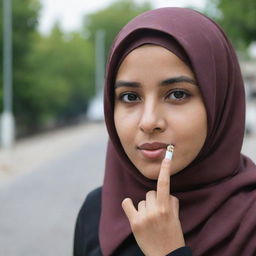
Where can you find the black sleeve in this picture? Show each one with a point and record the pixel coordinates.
(87, 224)
(183, 251)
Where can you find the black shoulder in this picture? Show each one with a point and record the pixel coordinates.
(92, 203)
(87, 224)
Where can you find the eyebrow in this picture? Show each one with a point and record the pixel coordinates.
(173, 80)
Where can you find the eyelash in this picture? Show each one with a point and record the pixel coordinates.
(185, 93)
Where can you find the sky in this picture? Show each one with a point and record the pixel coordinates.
(70, 13)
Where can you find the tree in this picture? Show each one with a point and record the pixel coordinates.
(62, 78)
(238, 18)
(24, 19)
(112, 18)
(52, 75)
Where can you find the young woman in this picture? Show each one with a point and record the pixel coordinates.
(172, 79)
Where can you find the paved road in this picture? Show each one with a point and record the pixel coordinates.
(44, 183)
(38, 209)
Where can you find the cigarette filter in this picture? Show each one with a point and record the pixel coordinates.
(169, 152)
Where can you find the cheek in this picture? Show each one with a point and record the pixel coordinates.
(191, 127)
(126, 123)
(199, 123)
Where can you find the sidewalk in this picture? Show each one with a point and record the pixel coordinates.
(30, 153)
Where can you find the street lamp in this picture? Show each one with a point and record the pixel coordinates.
(100, 60)
(7, 119)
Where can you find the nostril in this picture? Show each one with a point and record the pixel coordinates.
(151, 129)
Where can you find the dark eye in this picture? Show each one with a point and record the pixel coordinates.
(178, 95)
(129, 97)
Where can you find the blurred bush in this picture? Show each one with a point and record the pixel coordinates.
(238, 18)
(61, 80)
(112, 18)
(24, 21)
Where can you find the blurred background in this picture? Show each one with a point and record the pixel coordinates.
(53, 138)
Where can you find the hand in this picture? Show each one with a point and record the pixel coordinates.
(156, 225)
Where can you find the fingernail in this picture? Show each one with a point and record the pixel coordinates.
(169, 152)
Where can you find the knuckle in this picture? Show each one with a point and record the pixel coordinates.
(165, 165)
(141, 203)
(152, 216)
(163, 212)
(151, 192)
(163, 183)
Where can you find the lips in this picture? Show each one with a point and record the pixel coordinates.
(153, 146)
(153, 151)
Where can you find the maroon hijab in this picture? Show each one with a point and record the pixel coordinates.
(217, 191)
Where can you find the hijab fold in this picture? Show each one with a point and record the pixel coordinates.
(217, 191)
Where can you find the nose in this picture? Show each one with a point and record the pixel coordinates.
(152, 119)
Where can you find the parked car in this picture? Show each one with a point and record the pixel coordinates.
(250, 124)
(95, 109)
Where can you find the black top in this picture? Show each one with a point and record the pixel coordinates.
(86, 241)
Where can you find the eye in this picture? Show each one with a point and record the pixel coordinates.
(129, 97)
(178, 95)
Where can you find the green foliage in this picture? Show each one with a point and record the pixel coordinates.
(238, 18)
(52, 75)
(62, 76)
(113, 18)
(24, 20)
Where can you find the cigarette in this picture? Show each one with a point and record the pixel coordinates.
(169, 152)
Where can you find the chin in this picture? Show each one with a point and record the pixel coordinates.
(150, 170)
(150, 174)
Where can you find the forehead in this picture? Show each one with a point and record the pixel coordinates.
(152, 60)
(150, 51)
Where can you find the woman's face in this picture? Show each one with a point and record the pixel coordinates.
(157, 103)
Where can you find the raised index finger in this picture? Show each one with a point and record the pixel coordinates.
(163, 183)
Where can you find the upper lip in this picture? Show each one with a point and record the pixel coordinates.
(152, 145)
